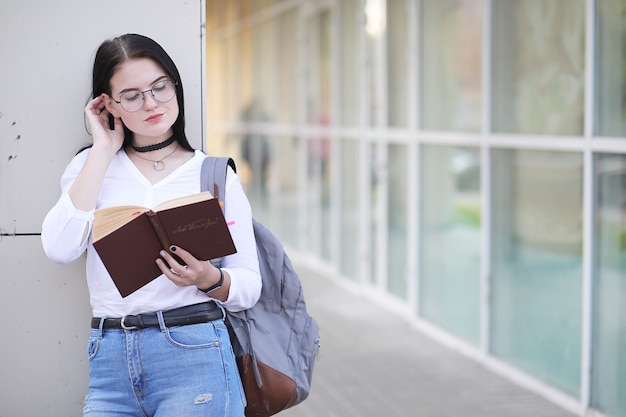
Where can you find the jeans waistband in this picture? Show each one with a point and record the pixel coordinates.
(191, 314)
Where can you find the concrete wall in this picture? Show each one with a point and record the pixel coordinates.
(46, 50)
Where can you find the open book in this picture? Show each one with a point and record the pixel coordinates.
(129, 238)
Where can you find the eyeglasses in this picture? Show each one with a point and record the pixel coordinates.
(162, 91)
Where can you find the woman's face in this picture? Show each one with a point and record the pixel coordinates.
(154, 119)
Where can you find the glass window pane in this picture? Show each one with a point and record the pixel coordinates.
(611, 67)
(375, 21)
(264, 77)
(451, 59)
(277, 206)
(349, 87)
(250, 7)
(349, 208)
(318, 196)
(538, 66)
(239, 58)
(450, 241)
(228, 80)
(318, 145)
(397, 63)
(372, 154)
(217, 88)
(287, 68)
(609, 323)
(256, 150)
(220, 14)
(318, 69)
(397, 221)
(537, 263)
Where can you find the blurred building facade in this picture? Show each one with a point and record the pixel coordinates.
(462, 161)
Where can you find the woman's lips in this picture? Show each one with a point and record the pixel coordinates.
(154, 118)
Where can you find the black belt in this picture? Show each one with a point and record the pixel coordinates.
(193, 314)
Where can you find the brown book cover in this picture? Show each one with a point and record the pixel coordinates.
(129, 238)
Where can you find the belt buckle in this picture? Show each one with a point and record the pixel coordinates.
(124, 326)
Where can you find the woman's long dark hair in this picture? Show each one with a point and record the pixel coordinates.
(114, 52)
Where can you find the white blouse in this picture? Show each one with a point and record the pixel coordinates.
(63, 232)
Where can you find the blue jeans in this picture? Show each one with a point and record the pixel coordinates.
(164, 372)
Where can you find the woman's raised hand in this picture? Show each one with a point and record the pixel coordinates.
(201, 274)
(98, 119)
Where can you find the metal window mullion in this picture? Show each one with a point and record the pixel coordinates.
(588, 208)
(335, 152)
(313, 90)
(413, 247)
(382, 210)
(486, 189)
(364, 151)
(203, 78)
(382, 158)
(303, 218)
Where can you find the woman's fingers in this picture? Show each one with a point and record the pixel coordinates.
(189, 273)
(98, 118)
(95, 106)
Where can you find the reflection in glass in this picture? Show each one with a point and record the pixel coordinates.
(609, 362)
(318, 145)
(536, 282)
(451, 65)
(286, 68)
(318, 70)
(255, 150)
(374, 206)
(375, 26)
(257, 83)
(281, 204)
(349, 210)
(397, 221)
(611, 68)
(348, 85)
(538, 66)
(450, 241)
(318, 195)
(397, 63)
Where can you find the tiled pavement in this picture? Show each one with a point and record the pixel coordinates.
(375, 364)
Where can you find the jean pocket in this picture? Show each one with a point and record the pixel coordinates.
(193, 336)
(93, 345)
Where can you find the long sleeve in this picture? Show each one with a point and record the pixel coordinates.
(66, 235)
(65, 229)
(243, 267)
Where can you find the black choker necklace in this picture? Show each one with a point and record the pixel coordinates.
(154, 147)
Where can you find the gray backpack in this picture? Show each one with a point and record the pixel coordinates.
(276, 341)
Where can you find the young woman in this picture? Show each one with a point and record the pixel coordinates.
(163, 350)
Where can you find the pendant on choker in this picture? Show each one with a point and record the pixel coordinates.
(157, 165)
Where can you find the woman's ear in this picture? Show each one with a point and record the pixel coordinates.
(110, 105)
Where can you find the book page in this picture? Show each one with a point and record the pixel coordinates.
(112, 218)
(181, 201)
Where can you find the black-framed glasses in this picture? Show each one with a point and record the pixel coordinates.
(162, 91)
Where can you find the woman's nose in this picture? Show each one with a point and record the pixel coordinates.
(149, 101)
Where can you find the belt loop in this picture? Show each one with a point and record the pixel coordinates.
(101, 326)
(161, 321)
(222, 309)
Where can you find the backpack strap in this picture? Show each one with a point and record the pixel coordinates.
(213, 176)
(214, 171)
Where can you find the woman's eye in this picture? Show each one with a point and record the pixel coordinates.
(132, 96)
(159, 86)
